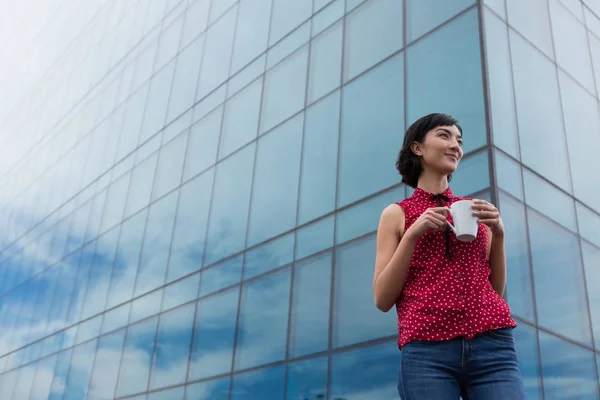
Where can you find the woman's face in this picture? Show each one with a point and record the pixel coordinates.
(441, 150)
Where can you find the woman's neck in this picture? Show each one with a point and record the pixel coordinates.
(432, 183)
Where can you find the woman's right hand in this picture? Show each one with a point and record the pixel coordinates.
(432, 220)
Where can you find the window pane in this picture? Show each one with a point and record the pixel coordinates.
(553, 247)
(325, 62)
(423, 16)
(315, 237)
(202, 144)
(217, 389)
(169, 394)
(170, 166)
(80, 371)
(126, 260)
(145, 306)
(173, 340)
(185, 80)
(181, 292)
(269, 256)
(222, 275)
(43, 378)
(519, 293)
(285, 90)
(115, 203)
(217, 53)
(88, 329)
(108, 357)
(319, 159)
(310, 306)
(229, 210)
(214, 330)
(137, 355)
(589, 224)
(262, 329)
(456, 47)
(502, 103)
(568, 370)
(536, 30)
(157, 239)
(307, 379)
(595, 50)
(288, 45)
(115, 318)
(246, 75)
(142, 178)
(591, 261)
(472, 174)
(327, 15)
(571, 45)
(526, 345)
(196, 17)
(217, 9)
(373, 32)
(538, 113)
(350, 380)
(264, 384)
(157, 103)
(61, 372)
(582, 122)
(240, 123)
(356, 318)
(508, 174)
(367, 159)
(548, 200)
(287, 14)
(275, 191)
(363, 218)
(252, 32)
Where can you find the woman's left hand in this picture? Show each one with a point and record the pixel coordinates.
(488, 214)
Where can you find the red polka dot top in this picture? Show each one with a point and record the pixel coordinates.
(447, 293)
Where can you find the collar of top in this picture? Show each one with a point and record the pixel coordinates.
(421, 194)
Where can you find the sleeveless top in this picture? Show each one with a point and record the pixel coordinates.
(447, 293)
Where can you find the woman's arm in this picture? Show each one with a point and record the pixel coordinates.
(395, 248)
(497, 261)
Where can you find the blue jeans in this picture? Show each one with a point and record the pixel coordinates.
(484, 368)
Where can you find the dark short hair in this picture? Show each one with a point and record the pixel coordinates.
(408, 163)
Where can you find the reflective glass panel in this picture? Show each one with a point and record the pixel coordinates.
(591, 262)
(240, 123)
(315, 237)
(319, 159)
(309, 329)
(221, 275)
(287, 14)
(455, 46)
(202, 144)
(269, 256)
(373, 32)
(229, 211)
(536, 30)
(80, 371)
(252, 32)
(356, 319)
(307, 379)
(526, 345)
(519, 292)
(264, 383)
(214, 331)
(137, 355)
(263, 321)
(423, 16)
(366, 159)
(502, 101)
(105, 371)
(350, 380)
(275, 185)
(538, 112)
(568, 370)
(170, 166)
(553, 247)
(217, 389)
(173, 340)
(185, 78)
(325, 62)
(284, 90)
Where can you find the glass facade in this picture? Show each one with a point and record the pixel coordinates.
(190, 189)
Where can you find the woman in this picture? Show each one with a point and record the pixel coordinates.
(454, 326)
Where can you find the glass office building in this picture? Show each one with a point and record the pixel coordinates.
(190, 189)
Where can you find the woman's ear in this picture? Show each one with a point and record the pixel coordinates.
(416, 148)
